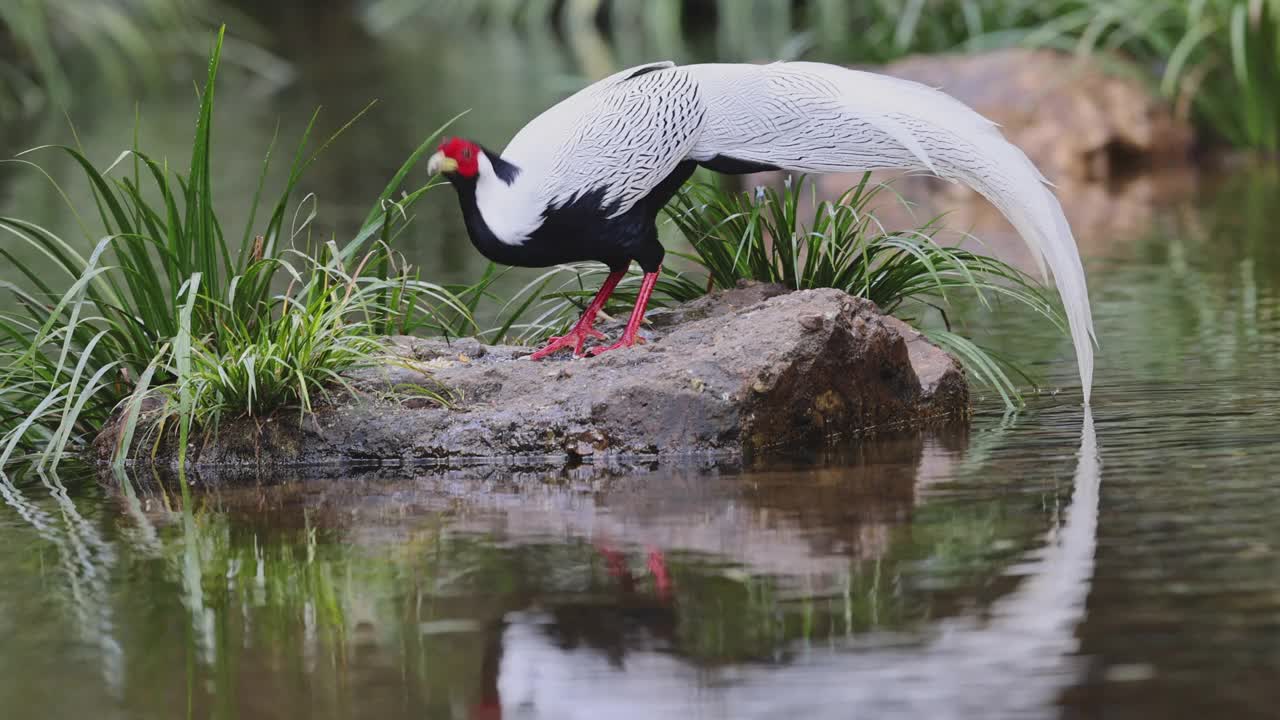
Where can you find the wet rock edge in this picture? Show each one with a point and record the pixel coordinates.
(745, 372)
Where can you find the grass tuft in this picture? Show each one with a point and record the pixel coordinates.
(166, 307)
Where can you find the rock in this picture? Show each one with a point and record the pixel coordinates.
(747, 370)
(1074, 116)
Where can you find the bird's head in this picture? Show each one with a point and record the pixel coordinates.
(456, 158)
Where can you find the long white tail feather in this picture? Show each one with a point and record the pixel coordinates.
(810, 117)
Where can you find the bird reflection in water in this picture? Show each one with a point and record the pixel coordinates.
(615, 659)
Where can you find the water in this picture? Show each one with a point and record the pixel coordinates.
(1123, 563)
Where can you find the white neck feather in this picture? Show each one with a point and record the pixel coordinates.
(513, 211)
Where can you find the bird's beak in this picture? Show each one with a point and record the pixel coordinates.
(439, 163)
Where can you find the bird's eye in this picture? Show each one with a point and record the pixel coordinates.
(466, 154)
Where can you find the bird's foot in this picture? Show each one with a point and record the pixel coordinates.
(630, 334)
(575, 338)
(626, 342)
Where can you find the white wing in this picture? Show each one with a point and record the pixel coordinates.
(810, 117)
(621, 136)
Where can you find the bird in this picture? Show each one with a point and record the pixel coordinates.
(586, 179)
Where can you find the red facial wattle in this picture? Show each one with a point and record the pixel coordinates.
(463, 152)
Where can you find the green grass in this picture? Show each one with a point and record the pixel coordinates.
(299, 343)
(1219, 57)
(170, 303)
(768, 236)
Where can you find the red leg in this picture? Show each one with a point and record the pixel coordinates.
(616, 562)
(661, 577)
(583, 329)
(637, 315)
(617, 566)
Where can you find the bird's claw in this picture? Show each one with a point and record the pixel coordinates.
(575, 338)
(625, 342)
